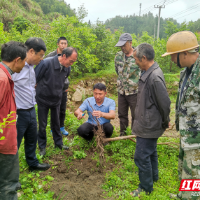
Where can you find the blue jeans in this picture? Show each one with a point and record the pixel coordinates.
(146, 159)
(9, 176)
(27, 128)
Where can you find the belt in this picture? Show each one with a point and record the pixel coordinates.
(25, 109)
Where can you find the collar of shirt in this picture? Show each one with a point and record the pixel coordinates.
(148, 72)
(26, 64)
(9, 70)
(57, 64)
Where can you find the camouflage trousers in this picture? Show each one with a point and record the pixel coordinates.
(189, 168)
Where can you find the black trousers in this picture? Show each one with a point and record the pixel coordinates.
(9, 176)
(55, 125)
(146, 159)
(86, 130)
(63, 106)
(27, 128)
(124, 102)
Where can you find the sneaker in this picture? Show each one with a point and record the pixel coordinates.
(63, 131)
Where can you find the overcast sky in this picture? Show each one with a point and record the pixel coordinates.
(181, 10)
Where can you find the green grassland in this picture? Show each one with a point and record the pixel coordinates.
(123, 178)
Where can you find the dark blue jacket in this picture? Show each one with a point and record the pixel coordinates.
(50, 81)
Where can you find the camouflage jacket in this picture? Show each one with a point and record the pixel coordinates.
(188, 108)
(128, 74)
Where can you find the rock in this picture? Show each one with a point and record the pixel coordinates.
(176, 83)
(113, 83)
(69, 96)
(103, 82)
(77, 96)
(89, 83)
(82, 83)
(88, 92)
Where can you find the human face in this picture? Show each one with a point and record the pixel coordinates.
(18, 64)
(137, 61)
(126, 48)
(99, 95)
(38, 57)
(67, 62)
(62, 45)
(174, 59)
(34, 58)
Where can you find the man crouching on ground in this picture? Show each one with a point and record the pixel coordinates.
(104, 111)
(151, 117)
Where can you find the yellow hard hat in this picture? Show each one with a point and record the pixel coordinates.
(181, 41)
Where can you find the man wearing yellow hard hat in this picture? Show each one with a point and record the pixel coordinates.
(183, 49)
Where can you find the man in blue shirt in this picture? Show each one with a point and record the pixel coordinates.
(24, 86)
(99, 108)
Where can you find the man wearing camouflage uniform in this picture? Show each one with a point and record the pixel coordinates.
(183, 48)
(127, 82)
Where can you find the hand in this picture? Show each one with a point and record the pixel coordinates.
(80, 115)
(169, 125)
(97, 114)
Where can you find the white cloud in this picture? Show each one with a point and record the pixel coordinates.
(105, 9)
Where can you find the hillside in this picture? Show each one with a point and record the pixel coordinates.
(30, 11)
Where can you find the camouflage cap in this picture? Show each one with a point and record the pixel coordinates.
(123, 39)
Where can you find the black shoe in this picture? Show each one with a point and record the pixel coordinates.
(40, 166)
(18, 186)
(62, 147)
(42, 152)
(122, 134)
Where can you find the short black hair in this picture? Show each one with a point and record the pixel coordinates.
(99, 86)
(61, 38)
(12, 50)
(68, 51)
(37, 44)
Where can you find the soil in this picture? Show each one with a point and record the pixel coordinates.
(81, 180)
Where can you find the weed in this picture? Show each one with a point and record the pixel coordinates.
(79, 154)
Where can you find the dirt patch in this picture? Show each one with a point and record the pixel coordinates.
(80, 180)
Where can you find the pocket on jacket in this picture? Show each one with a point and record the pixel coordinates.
(145, 119)
(196, 163)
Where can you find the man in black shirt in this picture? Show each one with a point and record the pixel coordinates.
(62, 44)
(50, 76)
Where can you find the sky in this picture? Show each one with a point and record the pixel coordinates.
(181, 10)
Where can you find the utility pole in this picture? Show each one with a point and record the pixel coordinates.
(140, 9)
(158, 30)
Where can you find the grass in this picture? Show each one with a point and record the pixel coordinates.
(123, 178)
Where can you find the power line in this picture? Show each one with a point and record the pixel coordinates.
(188, 14)
(186, 10)
(152, 8)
